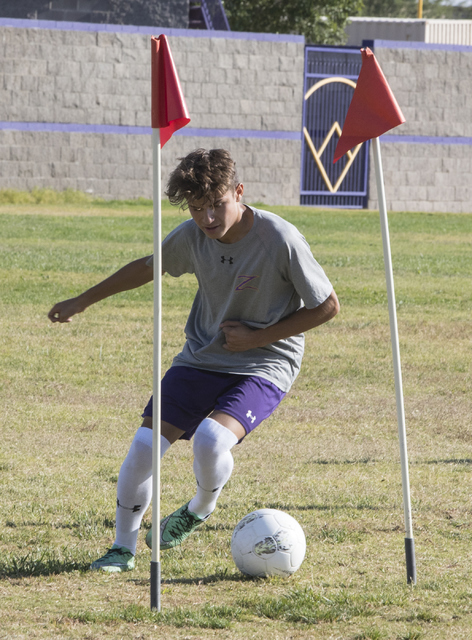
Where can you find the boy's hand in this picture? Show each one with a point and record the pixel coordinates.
(239, 337)
(63, 311)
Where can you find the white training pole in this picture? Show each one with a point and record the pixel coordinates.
(156, 406)
(409, 541)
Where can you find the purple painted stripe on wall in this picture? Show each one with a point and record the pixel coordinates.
(427, 139)
(239, 133)
(123, 130)
(152, 31)
(210, 133)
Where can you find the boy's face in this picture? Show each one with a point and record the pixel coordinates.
(223, 219)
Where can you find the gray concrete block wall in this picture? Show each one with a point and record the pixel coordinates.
(425, 177)
(121, 166)
(433, 86)
(104, 79)
(232, 83)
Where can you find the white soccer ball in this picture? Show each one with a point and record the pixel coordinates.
(268, 542)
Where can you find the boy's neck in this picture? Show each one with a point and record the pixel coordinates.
(241, 228)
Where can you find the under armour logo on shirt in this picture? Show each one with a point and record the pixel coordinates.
(249, 415)
(223, 260)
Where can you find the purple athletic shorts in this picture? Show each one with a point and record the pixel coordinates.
(189, 395)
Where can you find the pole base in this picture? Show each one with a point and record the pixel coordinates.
(410, 561)
(155, 586)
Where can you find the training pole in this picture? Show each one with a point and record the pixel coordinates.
(156, 406)
(409, 541)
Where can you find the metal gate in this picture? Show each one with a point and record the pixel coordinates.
(330, 78)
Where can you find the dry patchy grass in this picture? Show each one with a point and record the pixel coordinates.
(72, 396)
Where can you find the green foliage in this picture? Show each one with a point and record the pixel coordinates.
(138, 12)
(320, 21)
(390, 8)
(409, 9)
(23, 8)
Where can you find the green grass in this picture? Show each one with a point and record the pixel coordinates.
(72, 396)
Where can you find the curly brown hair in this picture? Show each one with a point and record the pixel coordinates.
(202, 175)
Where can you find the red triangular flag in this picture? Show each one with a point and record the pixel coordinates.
(168, 109)
(373, 109)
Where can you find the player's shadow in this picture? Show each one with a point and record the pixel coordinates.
(449, 461)
(200, 580)
(323, 461)
(42, 560)
(323, 507)
(218, 527)
(29, 566)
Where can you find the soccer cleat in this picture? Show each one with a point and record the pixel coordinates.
(176, 528)
(115, 559)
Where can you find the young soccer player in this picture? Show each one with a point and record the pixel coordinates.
(259, 289)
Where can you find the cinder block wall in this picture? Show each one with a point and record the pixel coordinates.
(75, 112)
(77, 107)
(427, 161)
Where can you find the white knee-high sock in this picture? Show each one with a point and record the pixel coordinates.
(134, 489)
(213, 464)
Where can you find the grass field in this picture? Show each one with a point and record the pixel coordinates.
(72, 396)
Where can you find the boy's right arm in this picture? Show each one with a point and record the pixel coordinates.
(133, 275)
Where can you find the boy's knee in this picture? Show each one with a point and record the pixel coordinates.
(211, 437)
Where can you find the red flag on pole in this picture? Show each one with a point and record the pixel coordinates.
(168, 114)
(168, 109)
(373, 109)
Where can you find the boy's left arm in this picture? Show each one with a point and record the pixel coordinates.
(240, 337)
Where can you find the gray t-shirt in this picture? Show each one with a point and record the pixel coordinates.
(259, 280)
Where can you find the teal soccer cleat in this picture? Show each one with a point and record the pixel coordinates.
(115, 560)
(176, 528)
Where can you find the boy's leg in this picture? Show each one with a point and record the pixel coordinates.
(213, 465)
(134, 489)
(213, 460)
(237, 413)
(238, 405)
(134, 492)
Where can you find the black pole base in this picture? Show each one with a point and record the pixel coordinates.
(155, 586)
(410, 561)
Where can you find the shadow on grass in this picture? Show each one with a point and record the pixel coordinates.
(39, 563)
(339, 462)
(200, 580)
(84, 522)
(451, 461)
(323, 507)
(218, 527)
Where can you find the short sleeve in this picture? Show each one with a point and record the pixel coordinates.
(177, 254)
(308, 277)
